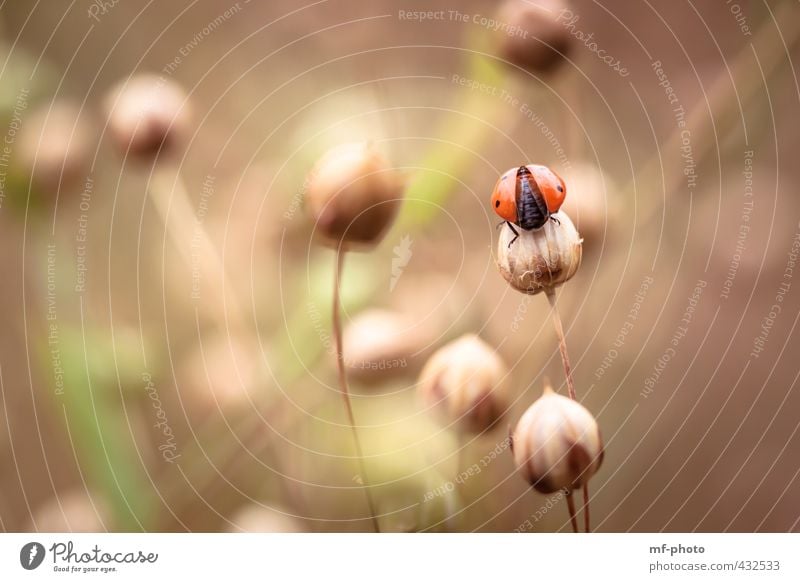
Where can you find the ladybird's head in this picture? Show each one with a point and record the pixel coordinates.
(504, 196)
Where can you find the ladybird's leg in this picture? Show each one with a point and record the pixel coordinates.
(516, 234)
(554, 219)
(499, 224)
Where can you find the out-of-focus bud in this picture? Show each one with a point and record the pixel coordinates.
(73, 511)
(557, 444)
(467, 382)
(379, 343)
(264, 519)
(541, 258)
(55, 145)
(147, 114)
(587, 201)
(222, 374)
(533, 35)
(353, 195)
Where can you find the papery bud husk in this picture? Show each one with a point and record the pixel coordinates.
(539, 259)
(353, 196)
(255, 518)
(380, 343)
(467, 382)
(557, 444)
(147, 114)
(533, 39)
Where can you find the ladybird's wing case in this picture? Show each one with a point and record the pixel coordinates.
(504, 196)
(550, 185)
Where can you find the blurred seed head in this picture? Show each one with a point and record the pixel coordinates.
(147, 114)
(55, 146)
(353, 195)
(557, 444)
(73, 511)
(379, 343)
(587, 201)
(538, 37)
(467, 382)
(256, 518)
(223, 373)
(541, 258)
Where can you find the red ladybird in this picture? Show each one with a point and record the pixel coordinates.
(528, 196)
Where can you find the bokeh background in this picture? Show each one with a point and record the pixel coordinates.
(140, 391)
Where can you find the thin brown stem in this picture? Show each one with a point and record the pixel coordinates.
(562, 342)
(586, 521)
(571, 506)
(343, 388)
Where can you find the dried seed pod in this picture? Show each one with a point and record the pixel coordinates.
(557, 444)
(532, 36)
(147, 114)
(379, 343)
(541, 258)
(55, 146)
(74, 511)
(467, 382)
(353, 195)
(587, 201)
(264, 519)
(222, 374)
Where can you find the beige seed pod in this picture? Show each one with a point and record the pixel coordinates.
(557, 444)
(588, 202)
(73, 511)
(353, 195)
(55, 146)
(224, 374)
(532, 37)
(379, 343)
(467, 383)
(147, 114)
(541, 258)
(255, 518)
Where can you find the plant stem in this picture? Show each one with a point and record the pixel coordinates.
(562, 343)
(337, 333)
(586, 525)
(571, 505)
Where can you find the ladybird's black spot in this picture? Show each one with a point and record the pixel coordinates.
(560, 189)
(496, 203)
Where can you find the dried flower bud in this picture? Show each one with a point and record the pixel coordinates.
(379, 343)
(557, 444)
(146, 114)
(533, 38)
(467, 382)
(587, 201)
(263, 519)
(73, 511)
(223, 374)
(541, 258)
(55, 146)
(352, 195)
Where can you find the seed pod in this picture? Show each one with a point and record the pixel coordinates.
(353, 195)
(55, 147)
(467, 382)
(533, 38)
(379, 343)
(587, 201)
(74, 511)
(541, 258)
(147, 114)
(264, 519)
(557, 444)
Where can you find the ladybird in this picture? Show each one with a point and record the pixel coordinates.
(527, 197)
